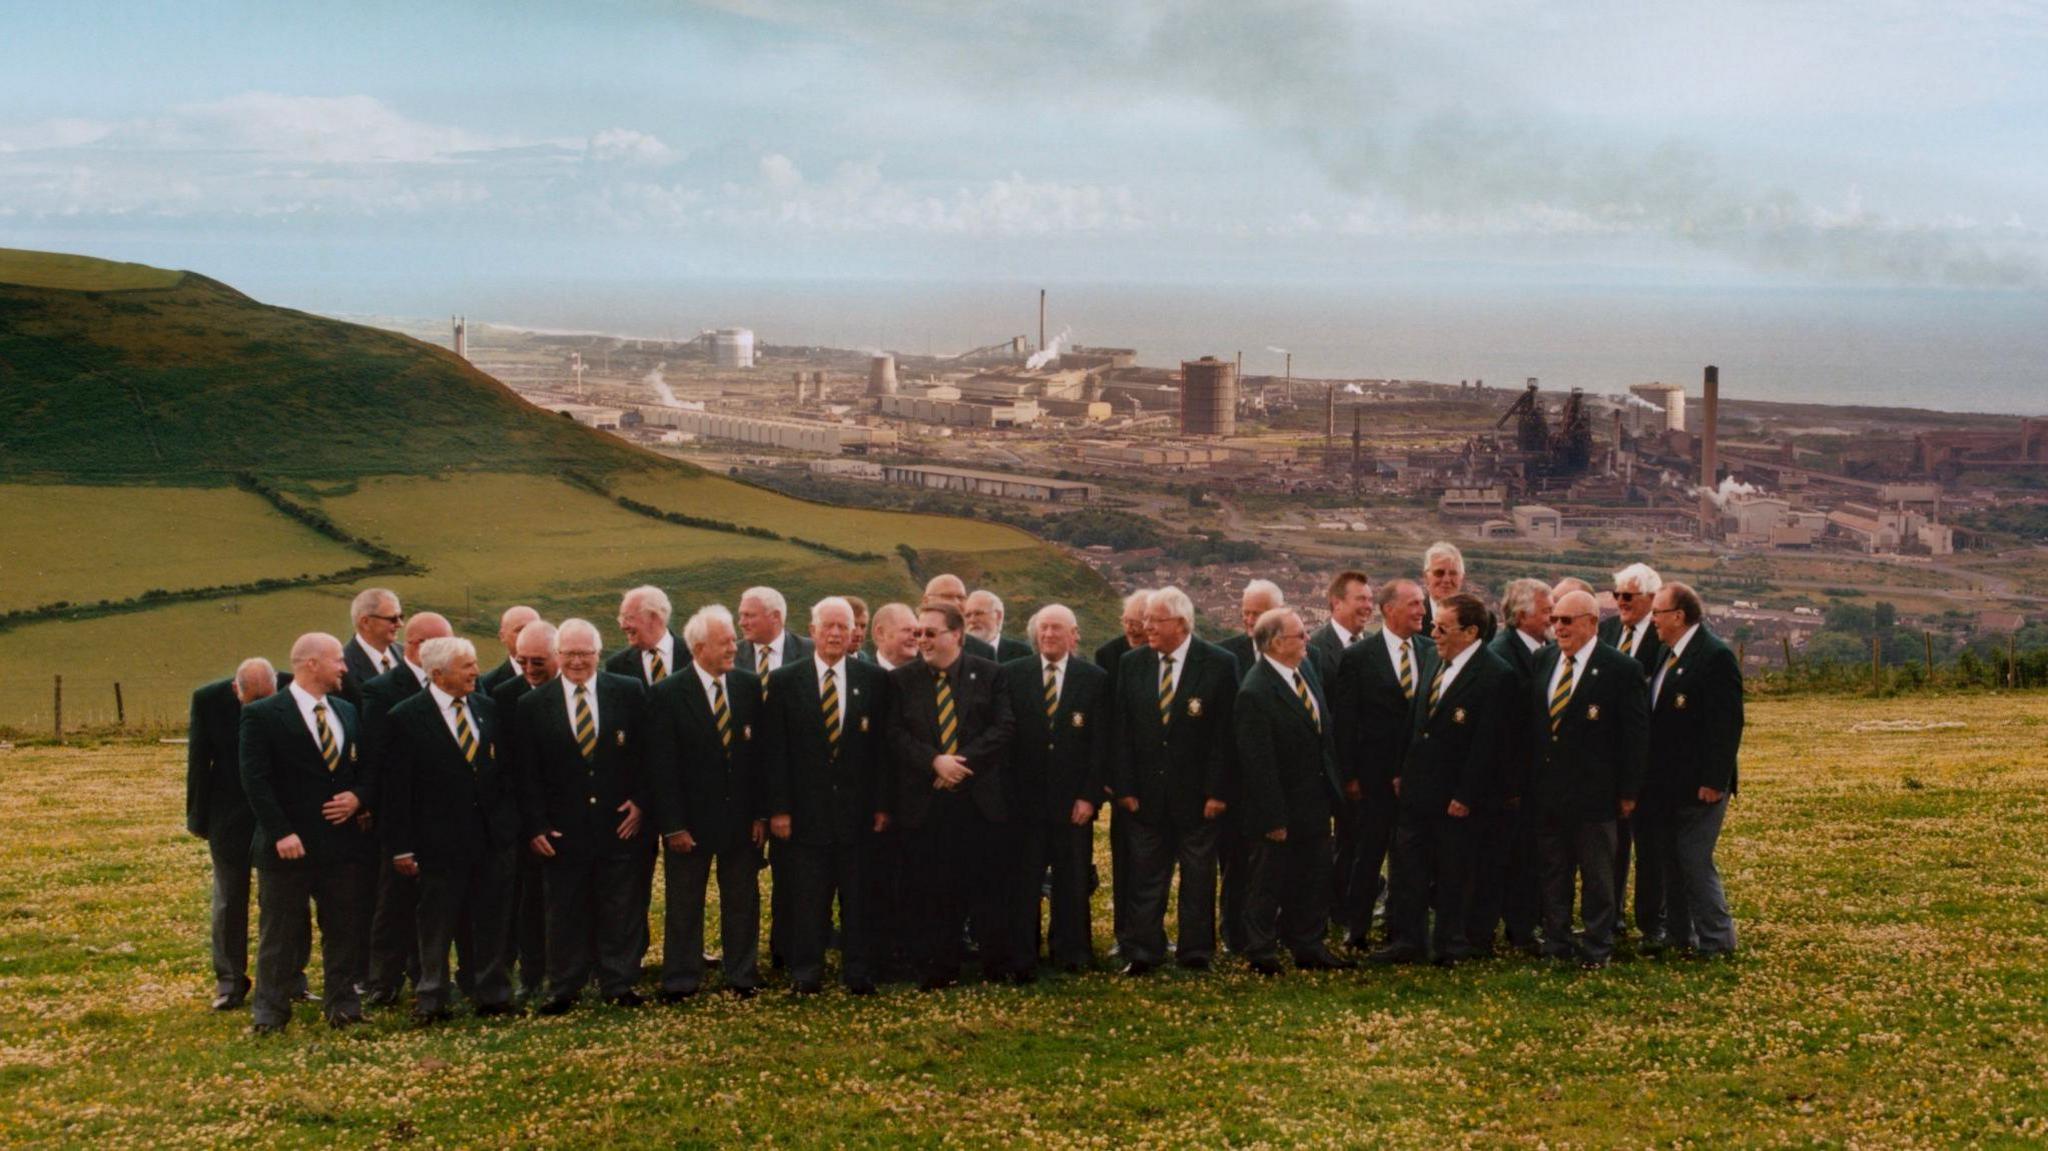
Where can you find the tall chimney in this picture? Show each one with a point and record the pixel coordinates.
(1330, 417)
(1710, 456)
(1041, 319)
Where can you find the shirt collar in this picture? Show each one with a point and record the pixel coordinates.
(377, 654)
(838, 670)
(1059, 666)
(1287, 674)
(569, 688)
(1462, 658)
(1180, 654)
(1532, 643)
(1393, 643)
(442, 699)
(1678, 649)
(704, 677)
(306, 698)
(418, 672)
(1344, 637)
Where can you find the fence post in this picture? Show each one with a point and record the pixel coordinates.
(120, 710)
(58, 708)
(1929, 637)
(2012, 660)
(1876, 661)
(1787, 641)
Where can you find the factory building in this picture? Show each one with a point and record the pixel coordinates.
(1491, 501)
(1208, 397)
(788, 434)
(990, 483)
(929, 408)
(731, 347)
(1158, 454)
(1536, 522)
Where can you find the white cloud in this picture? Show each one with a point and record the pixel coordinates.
(627, 146)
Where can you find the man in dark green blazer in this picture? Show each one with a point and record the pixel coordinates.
(450, 821)
(1451, 770)
(1288, 789)
(218, 812)
(302, 772)
(393, 954)
(1174, 767)
(533, 653)
(1061, 704)
(510, 625)
(710, 806)
(824, 765)
(1632, 631)
(1588, 728)
(1695, 740)
(652, 653)
(1109, 657)
(1260, 596)
(583, 810)
(1506, 886)
(1378, 679)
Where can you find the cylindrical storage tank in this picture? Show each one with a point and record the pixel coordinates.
(882, 375)
(732, 348)
(1208, 397)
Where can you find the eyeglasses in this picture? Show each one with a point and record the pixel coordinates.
(393, 619)
(927, 632)
(579, 653)
(1562, 620)
(1665, 610)
(536, 660)
(1442, 628)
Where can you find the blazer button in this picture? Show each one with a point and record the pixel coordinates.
(593, 801)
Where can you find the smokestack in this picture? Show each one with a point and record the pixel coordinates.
(1710, 460)
(461, 336)
(1329, 416)
(1041, 319)
(1290, 367)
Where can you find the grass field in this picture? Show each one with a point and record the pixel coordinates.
(114, 543)
(79, 273)
(486, 541)
(1887, 876)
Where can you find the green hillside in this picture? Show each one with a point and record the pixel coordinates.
(188, 477)
(190, 380)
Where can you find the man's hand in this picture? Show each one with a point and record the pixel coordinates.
(1628, 808)
(1709, 795)
(1128, 803)
(681, 841)
(540, 844)
(290, 847)
(778, 826)
(1354, 790)
(1214, 808)
(341, 808)
(629, 826)
(1277, 835)
(1082, 813)
(758, 832)
(951, 770)
(1457, 810)
(407, 866)
(881, 822)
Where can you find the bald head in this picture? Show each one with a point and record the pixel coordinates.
(317, 665)
(421, 628)
(947, 589)
(511, 623)
(255, 680)
(534, 652)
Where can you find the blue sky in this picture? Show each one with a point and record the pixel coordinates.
(1884, 142)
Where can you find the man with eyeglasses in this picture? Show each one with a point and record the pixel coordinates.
(949, 733)
(1443, 576)
(1695, 738)
(1452, 770)
(652, 653)
(583, 813)
(1588, 728)
(1630, 630)
(509, 625)
(534, 655)
(1287, 793)
(369, 653)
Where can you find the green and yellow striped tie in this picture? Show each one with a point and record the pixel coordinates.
(830, 705)
(1166, 689)
(721, 715)
(1657, 684)
(463, 735)
(1308, 701)
(330, 754)
(1407, 674)
(657, 671)
(1436, 686)
(586, 727)
(949, 723)
(1052, 692)
(1562, 696)
(1632, 636)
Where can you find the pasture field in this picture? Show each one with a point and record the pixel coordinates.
(855, 529)
(1884, 860)
(484, 540)
(81, 544)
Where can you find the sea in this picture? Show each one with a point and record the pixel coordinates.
(1944, 350)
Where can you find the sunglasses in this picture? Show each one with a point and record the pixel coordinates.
(390, 619)
(1626, 596)
(1562, 620)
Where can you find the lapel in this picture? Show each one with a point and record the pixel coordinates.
(1675, 680)
(1290, 702)
(1148, 688)
(1458, 689)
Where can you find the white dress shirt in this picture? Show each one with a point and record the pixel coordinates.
(1180, 662)
(1394, 643)
(448, 707)
(569, 703)
(1677, 650)
(1579, 661)
(378, 655)
(1630, 639)
(1451, 669)
(307, 701)
(667, 648)
(838, 671)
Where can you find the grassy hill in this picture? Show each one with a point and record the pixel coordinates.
(1883, 862)
(189, 476)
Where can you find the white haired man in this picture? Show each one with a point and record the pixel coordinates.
(765, 644)
(376, 616)
(984, 614)
(1443, 576)
(1632, 631)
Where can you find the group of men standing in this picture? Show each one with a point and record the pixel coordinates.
(939, 790)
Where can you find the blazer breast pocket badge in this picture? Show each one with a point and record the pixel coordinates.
(863, 723)
(1679, 703)
(351, 753)
(1592, 711)
(747, 731)
(1458, 715)
(1080, 720)
(1194, 707)
(619, 737)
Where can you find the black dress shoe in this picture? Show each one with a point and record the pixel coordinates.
(228, 1001)
(1075, 968)
(936, 982)
(744, 992)
(266, 1029)
(806, 988)
(1591, 964)
(340, 1021)
(429, 1018)
(1265, 966)
(1021, 978)
(678, 996)
(625, 999)
(1322, 961)
(1138, 967)
(861, 988)
(493, 1010)
(555, 1006)
(381, 998)
(1447, 962)
(1394, 953)
(1654, 944)
(1197, 964)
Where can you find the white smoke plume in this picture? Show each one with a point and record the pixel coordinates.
(1729, 489)
(1278, 351)
(659, 383)
(1631, 400)
(1050, 352)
